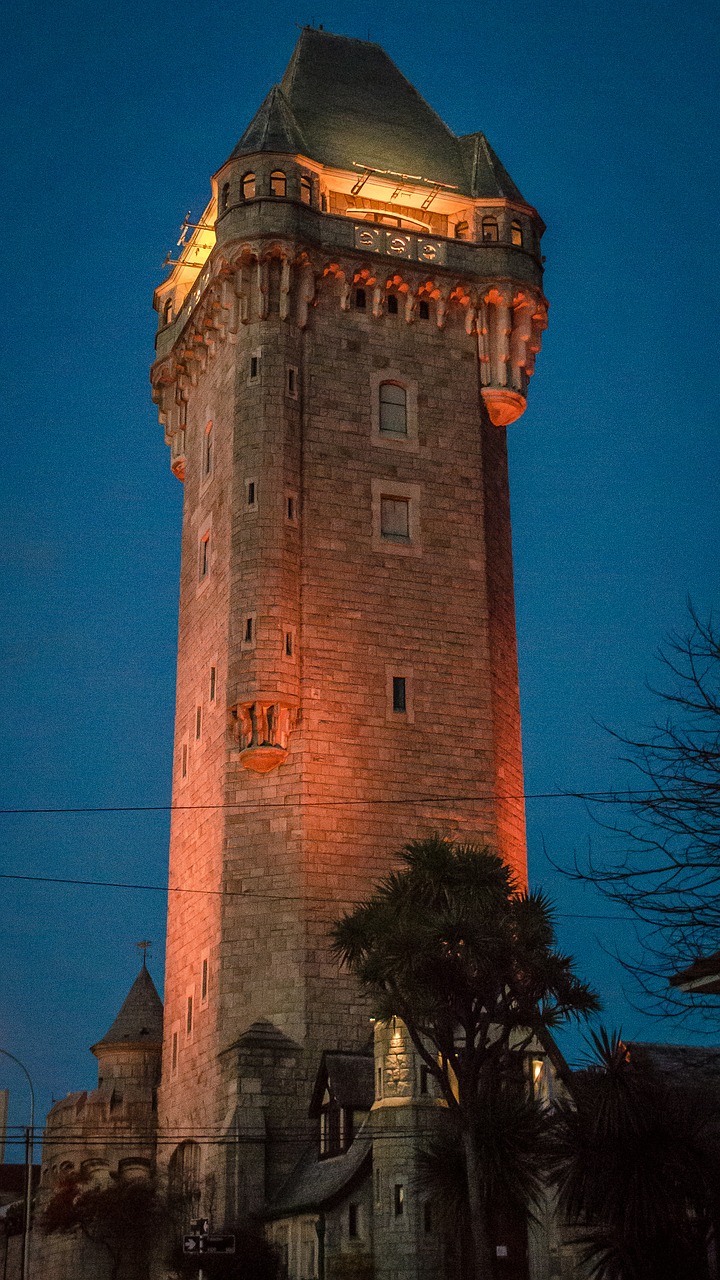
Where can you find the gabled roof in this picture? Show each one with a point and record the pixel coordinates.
(314, 1182)
(703, 976)
(349, 1079)
(140, 1020)
(344, 103)
(272, 128)
(264, 1035)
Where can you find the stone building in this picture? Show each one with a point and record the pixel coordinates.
(351, 325)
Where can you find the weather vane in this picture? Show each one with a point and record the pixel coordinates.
(144, 946)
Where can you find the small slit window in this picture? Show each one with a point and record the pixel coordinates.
(392, 304)
(254, 367)
(168, 311)
(393, 409)
(208, 444)
(249, 186)
(174, 1054)
(395, 519)
(353, 1221)
(516, 234)
(204, 565)
(399, 1199)
(224, 196)
(292, 381)
(213, 683)
(249, 634)
(462, 231)
(490, 229)
(204, 981)
(251, 493)
(291, 508)
(424, 310)
(184, 761)
(360, 299)
(198, 723)
(427, 1218)
(278, 183)
(189, 1017)
(399, 697)
(305, 191)
(288, 644)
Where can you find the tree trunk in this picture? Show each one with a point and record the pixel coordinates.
(479, 1223)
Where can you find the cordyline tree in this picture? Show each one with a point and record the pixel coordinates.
(453, 946)
(666, 826)
(636, 1162)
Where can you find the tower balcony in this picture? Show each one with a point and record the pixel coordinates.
(262, 726)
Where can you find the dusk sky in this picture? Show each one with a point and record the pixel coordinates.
(116, 115)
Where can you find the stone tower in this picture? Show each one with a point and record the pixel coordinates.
(349, 329)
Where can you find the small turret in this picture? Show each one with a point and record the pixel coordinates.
(129, 1053)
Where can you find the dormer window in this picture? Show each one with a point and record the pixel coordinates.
(224, 196)
(336, 1127)
(490, 229)
(305, 191)
(278, 183)
(248, 186)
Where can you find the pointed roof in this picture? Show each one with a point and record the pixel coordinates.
(348, 1077)
(488, 175)
(272, 128)
(140, 1020)
(343, 102)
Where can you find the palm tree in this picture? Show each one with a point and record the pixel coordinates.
(636, 1162)
(453, 946)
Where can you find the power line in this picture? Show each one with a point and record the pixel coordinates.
(602, 797)
(236, 893)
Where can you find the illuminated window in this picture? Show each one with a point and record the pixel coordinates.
(207, 464)
(462, 231)
(360, 299)
(278, 183)
(224, 197)
(248, 186)
(213, 683)
(516, 234)
(399, 1200)
(490, 229)
(400, 704)
(392, 304)
(424, 310)
(305, 190)
(393, 409)
(168, 311)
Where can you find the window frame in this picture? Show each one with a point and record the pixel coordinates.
(409, 442)
(279, 177)
(388, 545)
(249, 179)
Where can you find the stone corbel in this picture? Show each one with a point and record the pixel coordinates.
(262, 727)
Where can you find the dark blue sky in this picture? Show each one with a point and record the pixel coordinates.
(116, 115)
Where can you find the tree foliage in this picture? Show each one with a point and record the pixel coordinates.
(666, 830)
(453, 946)
(124, 1217)
(636, 1160)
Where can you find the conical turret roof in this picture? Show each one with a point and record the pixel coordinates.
(140, 1020)
(344, 103)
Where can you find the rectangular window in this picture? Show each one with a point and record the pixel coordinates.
(292, 381)
(198, 723)
(174, 1054)
(207, 464)
(291, 508)
(353, 1221)
(249, 630)
(251, 493)
(399, 702)
(213, 683)
(399, 1199)
(395, 518)
(204, 565)
(393, 409)
(288, 644)
(189, 1017)
(424, 310)
(392, 304)
(204, 980)
(184, 760)
(255, 366)
(360, 299)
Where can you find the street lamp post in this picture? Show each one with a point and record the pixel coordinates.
(28, 1166)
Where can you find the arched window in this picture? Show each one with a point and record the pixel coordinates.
(393, 409)
(184, 1172)
(490, 229)
(462, 231)
(224, 196)
(516, 234)
(305, 191)
(278, 183)
(248, 186)
(167, 312)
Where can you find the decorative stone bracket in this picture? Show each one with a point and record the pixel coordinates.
(262, 728)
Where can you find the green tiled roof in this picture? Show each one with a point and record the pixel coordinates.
(344, 103)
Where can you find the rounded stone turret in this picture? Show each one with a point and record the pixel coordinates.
(129, 1053)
